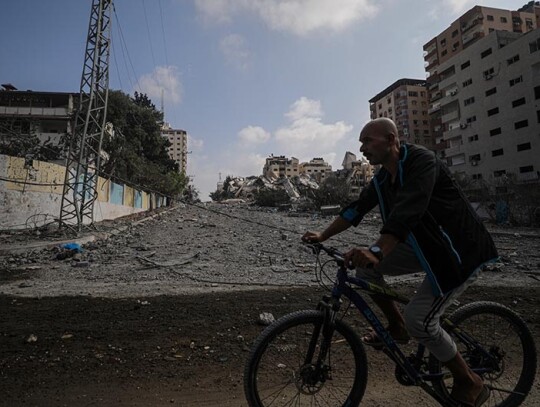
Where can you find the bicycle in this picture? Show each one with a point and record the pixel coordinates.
(312, 357)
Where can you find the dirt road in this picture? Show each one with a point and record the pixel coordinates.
(167, 310)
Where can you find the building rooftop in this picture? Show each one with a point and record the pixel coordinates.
(397, 84)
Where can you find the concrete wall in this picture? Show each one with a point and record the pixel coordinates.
(36, 196)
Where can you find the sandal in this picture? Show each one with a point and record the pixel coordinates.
(373, 340)
(481, 399)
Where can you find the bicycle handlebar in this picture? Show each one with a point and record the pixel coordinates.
(335, 254)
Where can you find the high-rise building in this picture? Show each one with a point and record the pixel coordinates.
(178, 148)
(406, 103)
(475, 24)
(489, 104)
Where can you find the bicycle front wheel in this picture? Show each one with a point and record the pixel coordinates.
(509, 367)
(285, 367)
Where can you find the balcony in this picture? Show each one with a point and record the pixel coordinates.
(471, 23)
(528, 177)
(57, 112)
(448, 117)
(453, 150)
(469, 38)
(435, 107)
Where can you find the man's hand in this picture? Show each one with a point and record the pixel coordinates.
(313, 237)
(360, 257)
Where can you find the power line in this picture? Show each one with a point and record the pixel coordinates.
(148, 32)
(124, 43)
(163, 33)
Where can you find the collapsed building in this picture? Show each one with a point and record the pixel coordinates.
(298, 180)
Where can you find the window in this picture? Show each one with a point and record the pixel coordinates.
(518, 102)
(455, 33)
(489, 18)
(468, 101)
(538, 116)
(477, 176)
(499, 173)
(498, 152)
(491, 91)
(443, 42)
(467, 83)
(527, 168)
(488, 73)
(521, 124)
(493, 111)
(515, 81)
(504, 20)
(512, 60)
(455, 45)
(465, 65)
(380, 106)
(475, 157)
(473, 138)
(389, 100)
(444, 53)
(494, 132)
(422, 93)
(471, 119)
(524, 146)
(485, 53)
(534, 46)
(537, 92)
(413, 93)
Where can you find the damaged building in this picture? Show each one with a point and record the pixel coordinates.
(298, 180)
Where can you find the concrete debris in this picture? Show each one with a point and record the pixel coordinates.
(266, 318)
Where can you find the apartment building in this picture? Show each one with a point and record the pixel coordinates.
(48, 115)
(472, 26)
(178, 149)
(489, 105)
(406, 103)
(281, 166)
(316, 168)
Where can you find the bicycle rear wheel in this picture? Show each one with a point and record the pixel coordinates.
(278, 374)
(511, 369)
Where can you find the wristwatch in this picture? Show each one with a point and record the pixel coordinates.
(376, 251)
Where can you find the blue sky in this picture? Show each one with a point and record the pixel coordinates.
(244, 78)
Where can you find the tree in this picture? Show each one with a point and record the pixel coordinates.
(138, 152)
(333, 191)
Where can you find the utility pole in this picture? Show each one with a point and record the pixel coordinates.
(83, 161)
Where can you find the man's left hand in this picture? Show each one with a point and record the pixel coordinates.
(361, 257)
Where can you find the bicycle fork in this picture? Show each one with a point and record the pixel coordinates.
(319, 370)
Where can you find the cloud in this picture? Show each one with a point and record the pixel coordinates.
(253, 135)
(234, 48)
(306, 136)
(300, 17)
(164, 79)
(195, 143)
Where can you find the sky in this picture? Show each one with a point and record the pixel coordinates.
(245, 78)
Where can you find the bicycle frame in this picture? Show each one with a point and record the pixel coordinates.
(342, 287)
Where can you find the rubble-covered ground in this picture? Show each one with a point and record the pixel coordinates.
(164, 311)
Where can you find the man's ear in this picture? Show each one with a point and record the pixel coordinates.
(392, 138)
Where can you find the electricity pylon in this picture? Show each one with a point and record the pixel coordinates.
(83, 160)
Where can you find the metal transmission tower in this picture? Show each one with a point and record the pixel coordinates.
(82, 166)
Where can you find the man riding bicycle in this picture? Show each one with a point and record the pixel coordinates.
(428, 225)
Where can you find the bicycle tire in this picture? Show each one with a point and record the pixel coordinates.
(273, 370)
(501, 330)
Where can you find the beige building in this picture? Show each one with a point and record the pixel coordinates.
(490, 107)
(48, 115)
(475, 24)
(406, 103)
(281, 166)
(178, 149)
(316, 168)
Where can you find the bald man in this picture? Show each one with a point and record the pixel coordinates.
(429, 226)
